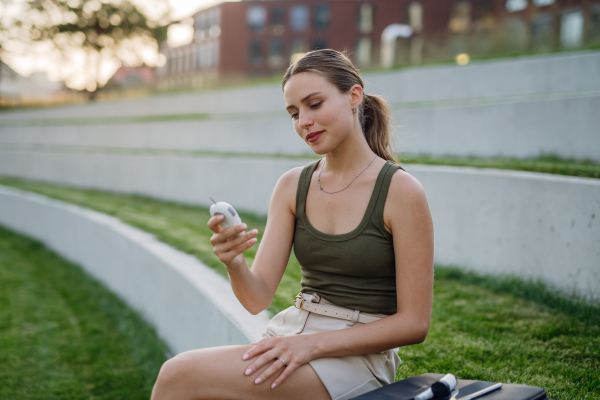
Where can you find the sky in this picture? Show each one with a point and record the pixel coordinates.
(185, 8)
(27, 63)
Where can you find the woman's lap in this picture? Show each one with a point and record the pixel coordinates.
(343, 377)
(218, 373)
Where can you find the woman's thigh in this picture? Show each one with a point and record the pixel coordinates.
(218, 373)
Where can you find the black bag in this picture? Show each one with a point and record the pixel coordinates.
(410, 387)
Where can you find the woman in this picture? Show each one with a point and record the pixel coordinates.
(362, 231)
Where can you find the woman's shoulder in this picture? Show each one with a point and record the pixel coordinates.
(405, 188)
(292, 177)
(286, 187)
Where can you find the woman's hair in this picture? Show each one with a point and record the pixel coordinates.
(374, 111)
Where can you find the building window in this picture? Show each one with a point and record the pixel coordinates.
(255, 52)
(216, 53)
(541, 3)
(595, 23)
(571, 28)
(365, 18)
(298, 46)
(277, 21)
(299, 18)
(319, 43)
(516, 34)
(460, 17)
(276, 53)
(363, 51)
(516, 5)
(415, 16)
(483, 17)
(322, 15)
(541, 32)
(256, 16)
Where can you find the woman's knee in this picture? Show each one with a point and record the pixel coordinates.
(173, 375)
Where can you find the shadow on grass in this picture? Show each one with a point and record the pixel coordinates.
(574, 304)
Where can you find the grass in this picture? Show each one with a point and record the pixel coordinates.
(227, 116)
(488, 328)
(65, 336)
(545, 163)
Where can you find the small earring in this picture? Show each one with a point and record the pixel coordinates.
(355, 110)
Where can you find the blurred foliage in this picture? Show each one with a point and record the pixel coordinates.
(96, 24)
(107, 30)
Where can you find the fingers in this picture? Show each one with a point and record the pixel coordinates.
(276, 366)
(230, 249)
(234, 242)
(262, 360)
(260, 347)
(213, 223)
(277, 349)
(224, 235)
(289, 368)
(269, 349)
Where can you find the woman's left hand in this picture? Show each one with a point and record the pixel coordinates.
(294, 350)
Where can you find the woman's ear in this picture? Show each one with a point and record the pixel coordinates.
(356, 95)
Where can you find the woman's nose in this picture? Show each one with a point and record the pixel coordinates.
(304, 121)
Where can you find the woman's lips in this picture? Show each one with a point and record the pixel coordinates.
(314, 136)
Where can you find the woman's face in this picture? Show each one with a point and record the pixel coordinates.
(322, 116)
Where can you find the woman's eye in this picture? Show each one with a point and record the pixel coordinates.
(294, 116)
(316, 105)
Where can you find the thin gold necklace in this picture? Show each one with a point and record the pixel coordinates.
(319, 179)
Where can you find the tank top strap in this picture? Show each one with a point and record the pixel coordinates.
(303, 184)
(392, 167)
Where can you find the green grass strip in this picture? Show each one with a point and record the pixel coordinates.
(545, 163)
(63, 335)
(480, 329)
(14, 122)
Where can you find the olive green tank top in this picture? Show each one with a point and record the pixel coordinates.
(354, 269)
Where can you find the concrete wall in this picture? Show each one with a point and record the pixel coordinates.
(189, 304)
(569, 72)
(510, 108)
(566, 126)
(491, 221)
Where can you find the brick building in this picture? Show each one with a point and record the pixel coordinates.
(259, 38)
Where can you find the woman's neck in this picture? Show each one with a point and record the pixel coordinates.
(351, 156)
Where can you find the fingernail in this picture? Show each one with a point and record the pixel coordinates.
(257, 381)
(273, 385)
(254, 231)
(248, 371)
(243, 226)
(220, 216)
(245, 357)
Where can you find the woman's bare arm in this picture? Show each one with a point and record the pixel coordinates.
(256, 287)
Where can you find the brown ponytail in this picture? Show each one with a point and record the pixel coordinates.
(375, 112)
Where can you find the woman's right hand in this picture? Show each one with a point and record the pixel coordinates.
(226, 245)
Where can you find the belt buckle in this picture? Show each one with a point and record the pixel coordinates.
(299, 296)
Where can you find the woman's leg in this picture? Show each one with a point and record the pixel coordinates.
(218, 373)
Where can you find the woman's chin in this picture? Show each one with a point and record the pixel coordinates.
(320, 150)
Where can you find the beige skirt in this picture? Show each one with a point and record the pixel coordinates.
(344, 377)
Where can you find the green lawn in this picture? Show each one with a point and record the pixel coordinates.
(548, 163)
(484, 328)
(63, 335)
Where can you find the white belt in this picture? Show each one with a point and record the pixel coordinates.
(333, 311)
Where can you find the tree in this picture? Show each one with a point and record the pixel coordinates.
(87, 40)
